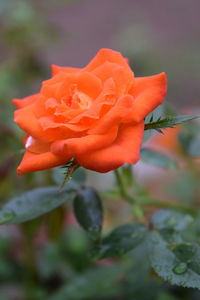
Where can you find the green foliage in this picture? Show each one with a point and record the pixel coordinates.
(173, 258)
(78, 179)
(168, 122)
(158, 159)
(180, 269)
(55, 263)
(121, 240)
(166, 219)
(189, 139)
(33, 204)
(89, 211)
(98, 283)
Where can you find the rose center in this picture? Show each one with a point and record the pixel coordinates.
(77, 99)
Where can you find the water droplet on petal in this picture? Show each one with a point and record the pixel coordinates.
(180, 268)
(29, 142)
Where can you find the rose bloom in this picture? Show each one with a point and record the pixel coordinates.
(93, 114)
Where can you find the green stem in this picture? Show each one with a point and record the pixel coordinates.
(148, 201)
(122, 187)
(31, 273)
(136, 208)
(174, 206)
(29, 230)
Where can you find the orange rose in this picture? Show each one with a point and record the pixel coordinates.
(94, 114)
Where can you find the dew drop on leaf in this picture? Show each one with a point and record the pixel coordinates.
(158, 268)
(180, 268)
(6, 216)
(171, 222)
(169, 278)
(182, 283)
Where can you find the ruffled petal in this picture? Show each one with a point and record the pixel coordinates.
(48, 123)
(100, 106)
(44, 129)
(105, 70)
(114, 116)
(26, 120)
(123, 78)
(125, 149)
(104, 55)
(149, 92)
(33, 162)
(56, 69)
(84, 144)
(89, 84)
(61, 85)
(20, 103)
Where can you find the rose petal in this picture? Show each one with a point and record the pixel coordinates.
(104, 55)
(61, 85)
(36, 146)
(123, 78)
(37, 128)
(126, 149)
(105, 70)
(149, 92)
(84, 144)
(104, 101)
(114, 116)
(89, 84)
(32, 162)
(20, 103)
(26, 120)
(56, 69)
(49, 123)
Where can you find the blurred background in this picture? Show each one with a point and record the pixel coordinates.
(156, 36)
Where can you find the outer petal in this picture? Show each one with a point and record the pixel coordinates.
(35, 146)
(20, 103)
(27, 121)
(56, 69)
(43, 129)
(104, 55)
(32, 162)
(84, 144)
(125, 149)
(149, 92)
